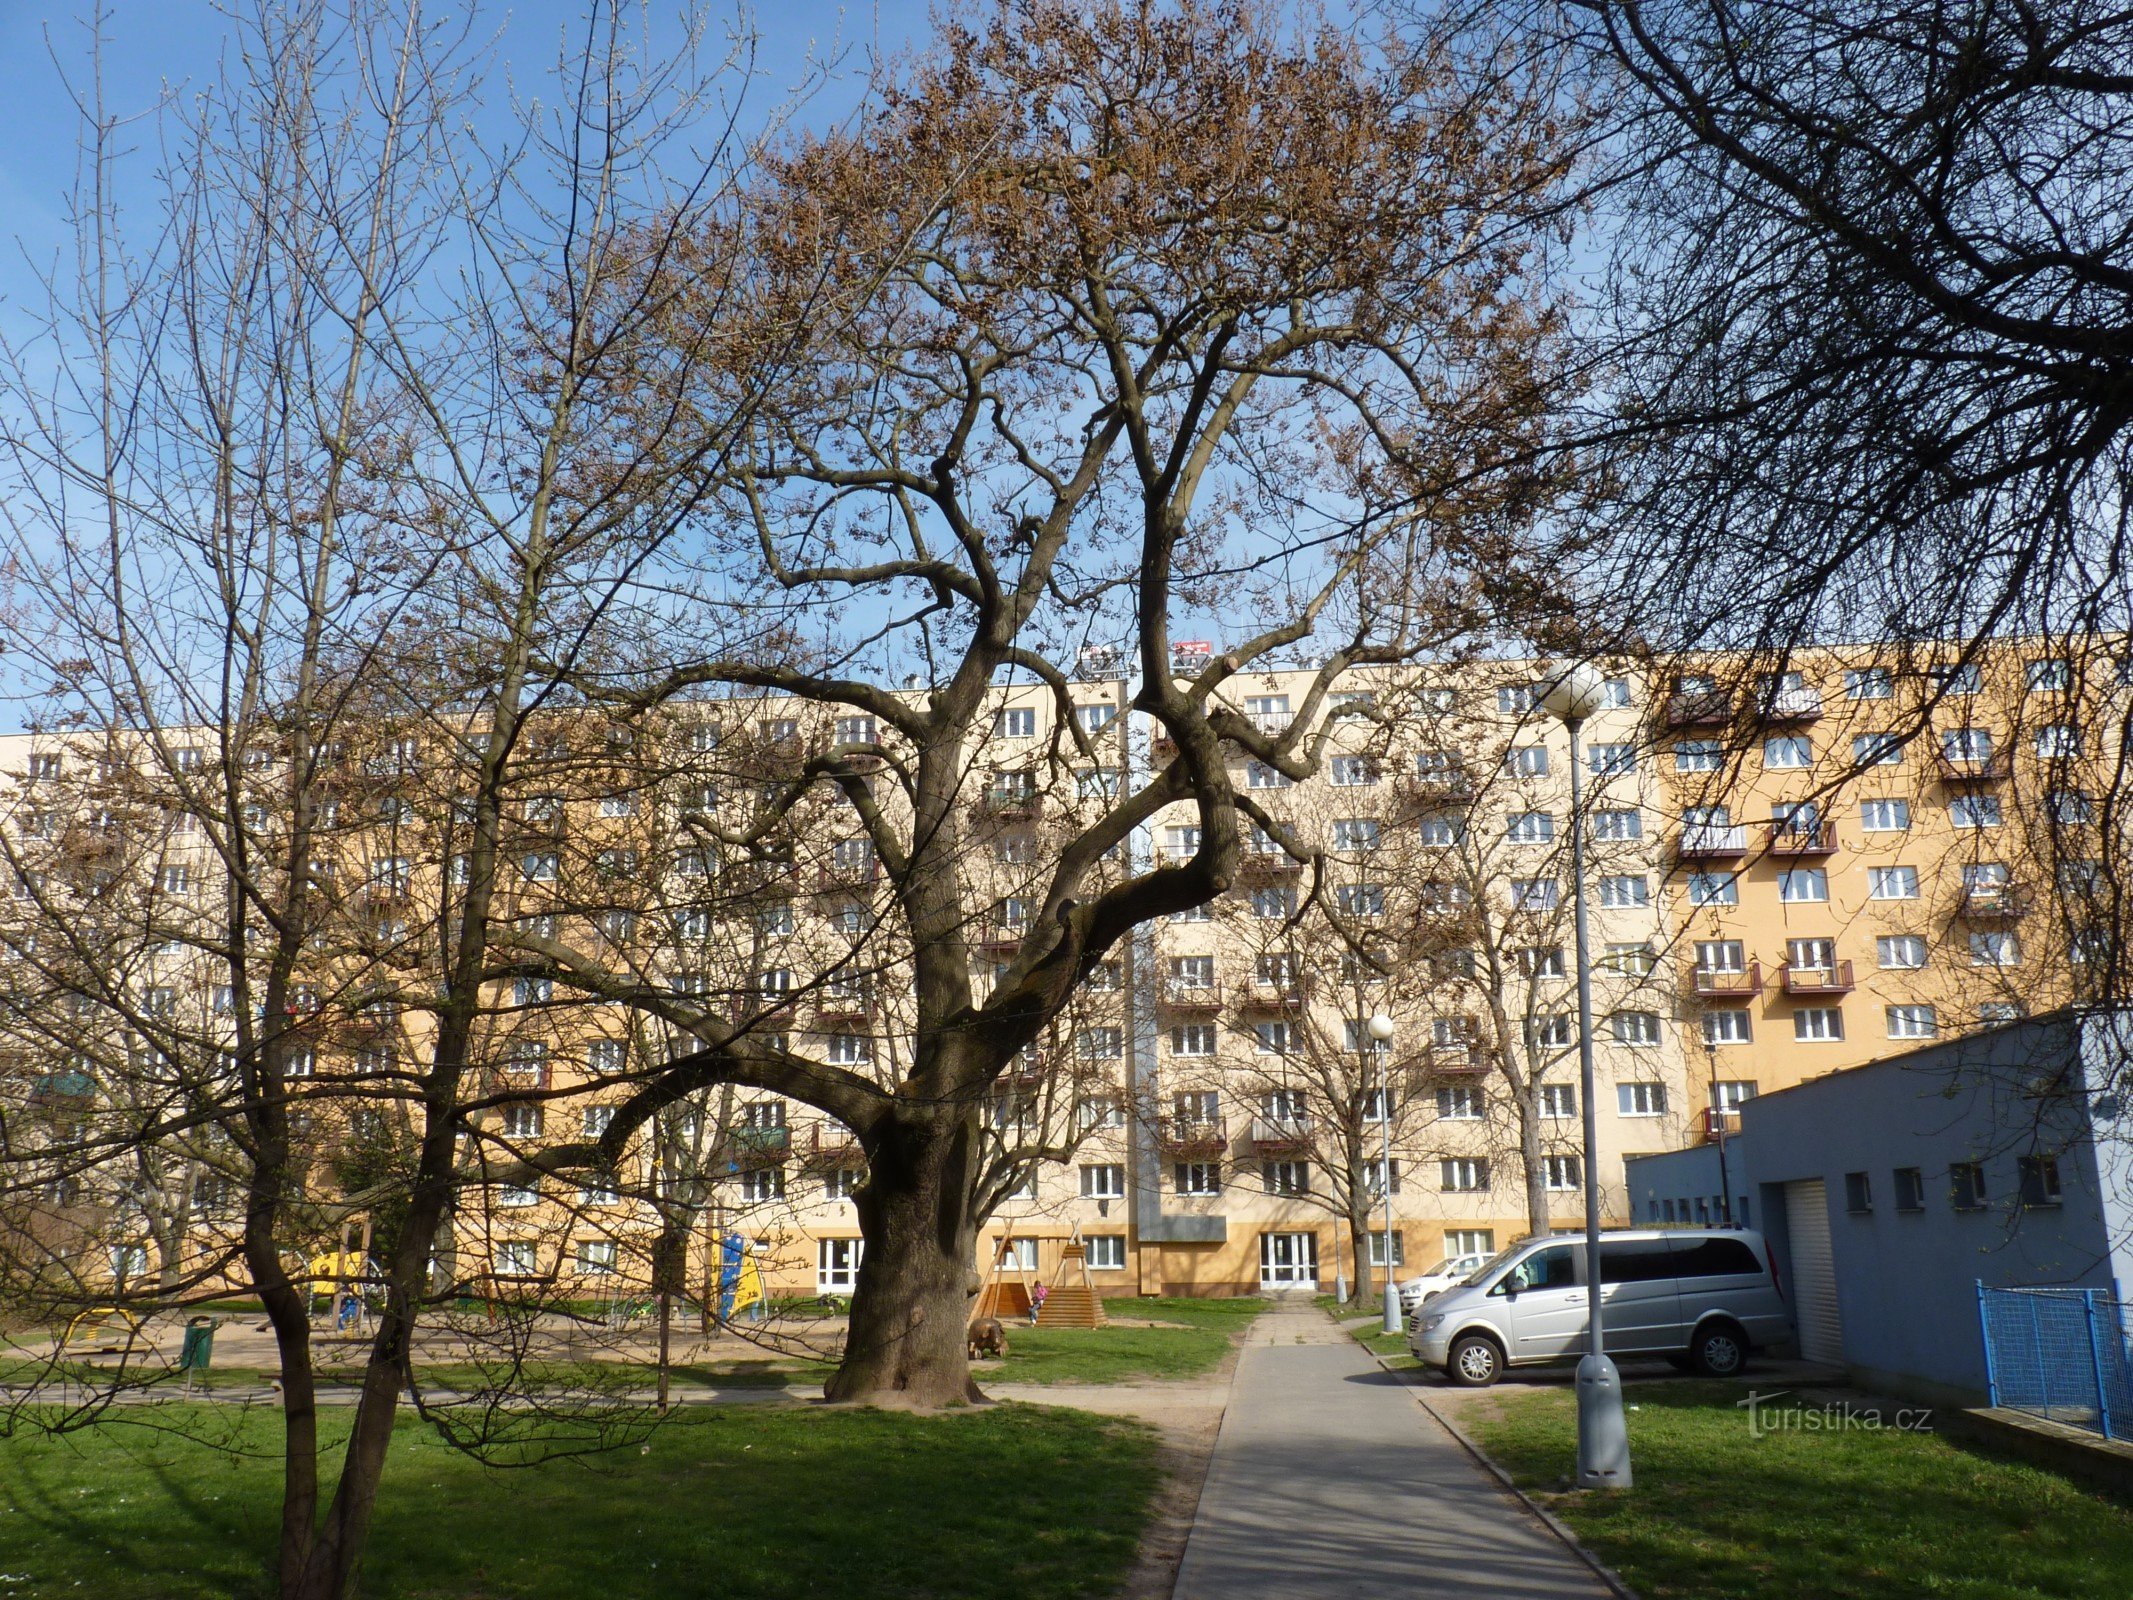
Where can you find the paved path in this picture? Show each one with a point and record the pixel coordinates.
(1329, 1482)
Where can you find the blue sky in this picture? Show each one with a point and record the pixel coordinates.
(158, 43)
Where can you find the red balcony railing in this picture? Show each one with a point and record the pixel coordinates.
(1833, 979)
(1717, 984)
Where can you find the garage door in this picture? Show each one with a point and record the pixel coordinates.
(1814, 1272)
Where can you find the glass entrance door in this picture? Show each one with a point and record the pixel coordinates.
(1288, 1261)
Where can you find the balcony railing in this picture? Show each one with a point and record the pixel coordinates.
(1798, 839)
(1431, 790)
(1790, 705)
(1281, 993)
(1704, 841)
(1987, 767)
(829, 1148)
(1716, 983)
(844, 1008)
(1835, 978)
(1183, 994)
(1281, 1136)
(1266, 866)
(1698, 708)
(1191, 1136)
(1719, 1122)
(1012, 805)
(756, 1144)
(1995, 902)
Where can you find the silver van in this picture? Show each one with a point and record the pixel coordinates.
(1703, 1299)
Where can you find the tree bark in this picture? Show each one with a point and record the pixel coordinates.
(1529, 1150)
(911, 1305)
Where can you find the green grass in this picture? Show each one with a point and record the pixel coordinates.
(1124, 1352)
(1719, 1515)
(1009, 1503)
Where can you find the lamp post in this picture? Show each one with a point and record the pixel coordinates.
(1381, 1029)
(1603, 1432)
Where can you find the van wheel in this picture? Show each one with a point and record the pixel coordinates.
(1474, 1362)
(1720, 1350)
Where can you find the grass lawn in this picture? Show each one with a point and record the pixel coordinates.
(1195, 1336)
(1014, 1502)
(1718, 1515)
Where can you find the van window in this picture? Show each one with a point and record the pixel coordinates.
(1552, 1268)
(1635, 1260)
(1714, 1258)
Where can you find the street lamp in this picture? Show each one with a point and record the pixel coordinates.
(1381, 1029)
(1603, 1433)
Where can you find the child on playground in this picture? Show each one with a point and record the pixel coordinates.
(1036, 1302)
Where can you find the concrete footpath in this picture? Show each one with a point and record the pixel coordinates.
(1329, 1482)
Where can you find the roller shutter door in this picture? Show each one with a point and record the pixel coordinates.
(1814, 1273)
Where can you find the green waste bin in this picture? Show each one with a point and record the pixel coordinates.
(199, 1347)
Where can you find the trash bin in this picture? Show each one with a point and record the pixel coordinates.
(199, 1347)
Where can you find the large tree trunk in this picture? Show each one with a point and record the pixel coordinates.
(1362, 1292)
(907, 1344)
(1529, 1151)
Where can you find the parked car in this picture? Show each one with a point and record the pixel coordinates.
(1705, 1299)
(1418, 1292)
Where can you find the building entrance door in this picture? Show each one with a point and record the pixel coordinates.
(1288, 1261)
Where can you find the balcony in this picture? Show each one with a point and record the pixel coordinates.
(1717, 1123)
(1793, 839)
(844, 1010)
(1994, 902)
(1452, 1058)
(1003, 941)
(830, 1149)
(1181, 994)
(753, 1145)
(1715, 983)
(1990, 767)
(836, 876)
(1277, 994)
(1025, 1069)
(1432, 790)
(1698, 708)
(1281, 1136)
(1267, 866)
(1834, 979)
(1713, 841)
(1191, 1138)
(1790, 705)
(1011, 805)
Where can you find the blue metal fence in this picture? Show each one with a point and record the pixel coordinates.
(2064, 1354)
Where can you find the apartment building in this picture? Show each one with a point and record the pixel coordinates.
(1783, 880)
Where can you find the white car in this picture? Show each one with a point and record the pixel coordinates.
(1416, 1292)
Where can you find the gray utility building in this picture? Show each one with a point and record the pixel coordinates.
(1890, 1190)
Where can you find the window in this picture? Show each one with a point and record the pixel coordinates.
(1640, 1099)
(1787, 753)
(1535, 894)
(1516, 699)
(532, 991)
(175, 880)
(1374, 1242)
(1900, 952)
(2050, 675)
(1542, 961)
(1730, 1094)
(1892, 883)
(1526, 761)
(1100, 1044)
(1610, 760)
(1374, 1103)
(1015, 722)
(1974, 811)
(1351, 772)
(1529, 827)
(1193, 1039)
(1877, 750)
(837, 1265)
(1727, 1025)
(1470, 1242)
(2069, 807)
(1463, 1174)
(1096, 783)
(1616, 694)
(1994, 1012)
(1911, 1022)
(1869, 683)
(517, 1195)
(1963, 678)
(1966, 745)
(1625, 891)
(1094, 719)
(1995, 948)
(1360, 899)
(540, 866)
(1818, 1024)
(1714, 889)
(1105, 1252)
(1354, 834)
(1106, 1181)
(1274, 903)
(1910, 1189)
(1562, 1172)
(1198, 1177)
(763, 1183)
(600, 1189)
(1555, 1031)
(2039, 1180)
(596, 1257)
(1459, 1103)
(1803, 885)
(1618, 826)
(1966, 1185)
(1559, 1101)
(1286, 1177)
(515, 1258)
(1441, 829)
(1698, 755)
(1271, 1038)
(1635, 1027)
(1884, 816)
(850, 1049)
(1858, 1193)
